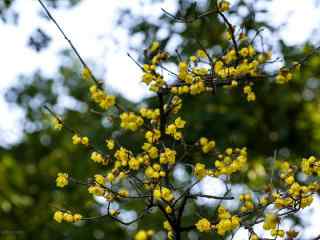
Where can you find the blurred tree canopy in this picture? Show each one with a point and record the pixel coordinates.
(39, 39)
(286, 120)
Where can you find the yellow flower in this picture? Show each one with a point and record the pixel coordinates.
(123, 193)
(283, 76)
(68, 217)
(110, 144)
(244, 52)
(179, 123)
(110, 177)
(270, 221)
(62, 180)
(163, 193)
(153, 152)
(96, 190)
(130, 121)
(57, 124)
(153, 136)
(154, 46)
(224, 6)
(76, 139)
(207, 145)
(144, 235)
(277, 233)
(77, 217)
(201, 54)
(168, 209)
(58, 216)
(234, 83)
(85, 141)
(86, 73)
(97, 157)
(200, 170)
(157, 194)
(203, 225)
(134, 164)
(167, 226)
(168, 156)
(171, 129)
(100, 97)
(166, 194)
(254, 237)
(99, 179)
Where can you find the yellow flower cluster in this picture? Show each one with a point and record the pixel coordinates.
(277, 233)
(155, 81)
(62, 180)
(247, 90)
(153, 136)
(168, 157)
(206, 145)
(154, 46)
(144, 235)
(264, 200)
(226, 221)
(232, 161)
(76, 139)
(175, 106)
(123, 156)
(200, 170)
(245, 68)
(130, 121)
(99, 179)
(152, 114)
(271, 221)
(57, 124)
(310, 166)
(248, 204)
(152, 151)
(110, 144)
(247, 51)
(100, 97)
(154, 171)
(295, 190)
(86, 73)
(168, 228)
(184, 74)
(192, 78)
(96, 190)
(203, 225)
(283, 76)
(98, 158)
(60, 216)
(172, 129)
(123, 193)
(163, 193)
(150, 76)
(134, 163)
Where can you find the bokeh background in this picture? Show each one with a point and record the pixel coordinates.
(38, 67)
